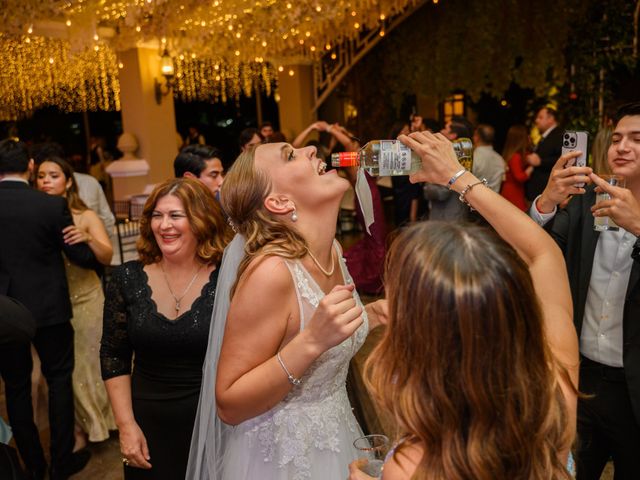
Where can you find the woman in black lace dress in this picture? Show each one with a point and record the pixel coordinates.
(158, 310)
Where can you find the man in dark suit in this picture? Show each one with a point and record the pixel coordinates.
(546, 152)
(32, 271)
(17, 325)
(604, 274)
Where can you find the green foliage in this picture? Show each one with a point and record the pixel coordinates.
(598, 55)
(483, 46)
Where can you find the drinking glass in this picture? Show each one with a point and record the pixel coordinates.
(602, 224)
(375, 448)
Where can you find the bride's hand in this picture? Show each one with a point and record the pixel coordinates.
(336, 318)
(439, 161)
(355, 472)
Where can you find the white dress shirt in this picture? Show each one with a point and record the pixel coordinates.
(601, 338)
(91, 193)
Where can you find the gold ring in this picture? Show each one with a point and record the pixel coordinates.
(125, 461)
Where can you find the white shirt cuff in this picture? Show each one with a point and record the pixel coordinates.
(541, 218)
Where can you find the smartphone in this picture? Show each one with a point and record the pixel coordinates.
(571, 141)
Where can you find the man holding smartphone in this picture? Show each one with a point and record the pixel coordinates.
(604, 274)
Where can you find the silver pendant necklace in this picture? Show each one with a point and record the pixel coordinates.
(176, 299)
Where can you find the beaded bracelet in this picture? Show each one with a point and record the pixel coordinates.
(292, 380)
(467, 189)
(455, 177)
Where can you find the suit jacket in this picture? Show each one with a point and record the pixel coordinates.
(31, 245)
(549, 150)
(572, 229)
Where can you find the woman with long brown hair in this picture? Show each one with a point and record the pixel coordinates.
(92, 411)
(515, 151)
(478, 366)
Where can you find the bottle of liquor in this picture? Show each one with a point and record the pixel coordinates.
(393, 158)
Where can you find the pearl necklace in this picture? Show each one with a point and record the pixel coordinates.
(328, 273)
(176, 299)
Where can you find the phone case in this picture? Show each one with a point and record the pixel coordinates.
(572, 141)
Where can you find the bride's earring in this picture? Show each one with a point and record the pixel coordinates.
(294, 216)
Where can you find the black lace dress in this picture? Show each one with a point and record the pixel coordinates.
(167, 368)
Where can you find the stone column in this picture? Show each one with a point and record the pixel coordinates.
(153, 124)
(296, 99)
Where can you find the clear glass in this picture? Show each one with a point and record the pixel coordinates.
(375, 448)
(603, 224)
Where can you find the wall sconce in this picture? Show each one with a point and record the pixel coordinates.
(167, 69)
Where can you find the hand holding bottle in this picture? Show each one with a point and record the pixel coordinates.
(439, 160)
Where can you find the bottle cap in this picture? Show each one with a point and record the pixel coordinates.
(344, 159)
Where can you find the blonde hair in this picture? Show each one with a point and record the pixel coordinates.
(242, 196)
(600, 151)
(464, 367)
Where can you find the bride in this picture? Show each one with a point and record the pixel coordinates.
(294, 322)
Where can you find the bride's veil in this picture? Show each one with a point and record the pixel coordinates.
(207, 442)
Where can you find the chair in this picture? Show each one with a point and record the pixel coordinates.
(135, 210)
(121, 209)
(137, 206)
(128, 232)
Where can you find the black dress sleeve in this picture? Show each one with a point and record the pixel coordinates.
(116, 350)
(80, 253)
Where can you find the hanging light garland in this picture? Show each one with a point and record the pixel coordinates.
(222, 48)
(38, 72)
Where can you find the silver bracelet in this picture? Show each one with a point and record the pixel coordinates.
(467, 189)
(457, 175)
(292, 380)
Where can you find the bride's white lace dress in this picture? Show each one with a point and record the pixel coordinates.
(309, 434)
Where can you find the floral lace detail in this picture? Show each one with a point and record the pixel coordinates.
(315, 415)
(303, 285)
(286, 435)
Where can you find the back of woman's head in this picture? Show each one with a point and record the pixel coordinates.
(204, 214)
(463, 366)
(242, 196)
(517, 141)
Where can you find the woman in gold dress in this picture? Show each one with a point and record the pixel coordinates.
(93, 414)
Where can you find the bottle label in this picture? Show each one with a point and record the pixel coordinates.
(394, 156)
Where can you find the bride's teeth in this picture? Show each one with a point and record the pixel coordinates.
(322, 168)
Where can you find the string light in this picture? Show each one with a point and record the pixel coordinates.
(231, 33)
(85, 80)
